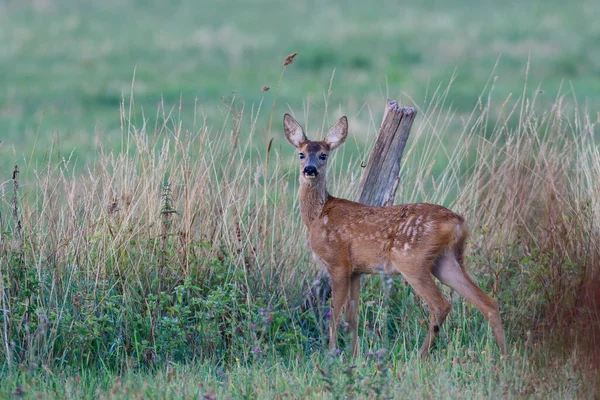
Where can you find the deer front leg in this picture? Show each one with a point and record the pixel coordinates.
(352, 312)
(340, 286)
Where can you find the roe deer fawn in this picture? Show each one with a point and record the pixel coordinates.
(349, 239)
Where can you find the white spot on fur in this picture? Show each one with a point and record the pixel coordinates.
(428, 227)
(405, 249)
(325, 220)
(419, 220)
(404, 231)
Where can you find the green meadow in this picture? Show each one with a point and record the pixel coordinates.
(150, 238)
(66, 66)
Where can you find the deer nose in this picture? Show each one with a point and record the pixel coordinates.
(310, 170)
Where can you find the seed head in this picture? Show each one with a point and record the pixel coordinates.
(289, 59)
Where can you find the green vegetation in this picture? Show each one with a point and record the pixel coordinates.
(65, 65)
(164, 257)
(169, 269)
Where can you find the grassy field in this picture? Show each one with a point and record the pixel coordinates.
(147, 250)
(65, 65)
(168, 270)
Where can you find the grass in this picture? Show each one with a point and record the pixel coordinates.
(150, 243)
(473, 377)
(66, 65)
(175, 267)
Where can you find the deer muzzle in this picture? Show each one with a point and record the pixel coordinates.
(310, 172)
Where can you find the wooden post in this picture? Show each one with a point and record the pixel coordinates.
(379, 182)
(381, 176)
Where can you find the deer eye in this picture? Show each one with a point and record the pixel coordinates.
(302, 156)
(323, 157)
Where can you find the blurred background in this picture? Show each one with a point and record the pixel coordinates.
(66, 65)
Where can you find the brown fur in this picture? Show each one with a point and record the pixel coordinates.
(349, 239)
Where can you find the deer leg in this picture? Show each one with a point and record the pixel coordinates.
(352, 312)
(438, 306)
(340, 287)
(449, 271)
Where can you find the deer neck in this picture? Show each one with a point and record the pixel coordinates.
(313, 196)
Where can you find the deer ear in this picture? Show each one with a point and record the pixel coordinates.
(293, 131)
(337, 133)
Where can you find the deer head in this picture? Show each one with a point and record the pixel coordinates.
(313, 155)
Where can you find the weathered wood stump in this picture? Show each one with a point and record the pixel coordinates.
(381, 176)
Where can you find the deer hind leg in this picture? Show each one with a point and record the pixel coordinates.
(352, 312)
(449, 271)
(438, 305)
(340, 287)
